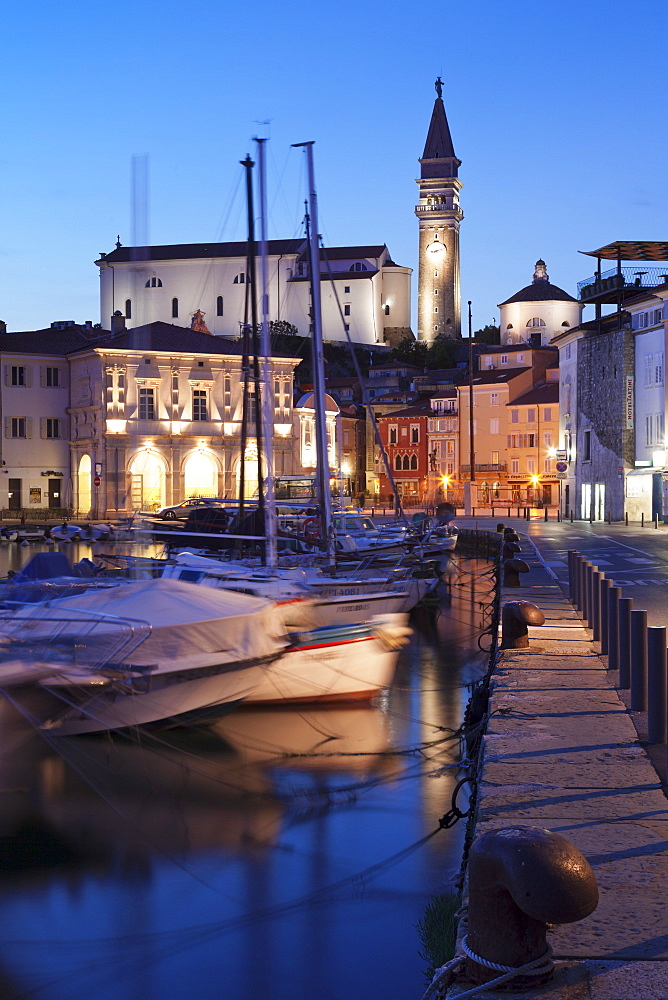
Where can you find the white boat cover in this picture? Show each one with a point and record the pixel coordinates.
(190, 625)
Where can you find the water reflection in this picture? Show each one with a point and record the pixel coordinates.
(266, 856)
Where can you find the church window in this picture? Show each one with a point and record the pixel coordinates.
(565, 323)
(346, 290)
(436, 291)
(435, 309)
(436, 328)
(414, 462)
(219, 306)
(128, 308)
(240, 279)
(175, 308)
(436, 274)
(509, 327)
(358, 267)
(346, 327)
(153, 283)
(346, 310)
(387, 310)
(536, 321)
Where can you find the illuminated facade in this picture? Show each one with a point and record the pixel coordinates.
(363, 292)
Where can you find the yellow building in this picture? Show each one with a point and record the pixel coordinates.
(533, 434)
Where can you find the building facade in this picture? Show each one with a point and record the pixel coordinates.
(364, 293)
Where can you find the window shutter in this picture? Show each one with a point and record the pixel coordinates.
(28, 371)
(8, 423)
(8, 375)
(42, 376)
(42, 427)
(28, 427)
(62, 375)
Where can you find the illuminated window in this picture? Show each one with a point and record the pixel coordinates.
(199, 404)
(146, 403)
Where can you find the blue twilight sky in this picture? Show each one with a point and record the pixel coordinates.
(556, 111)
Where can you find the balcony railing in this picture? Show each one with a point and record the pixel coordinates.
(608, 284)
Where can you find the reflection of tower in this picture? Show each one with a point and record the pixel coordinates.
(439, 215)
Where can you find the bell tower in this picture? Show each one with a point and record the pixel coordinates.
(439, 215)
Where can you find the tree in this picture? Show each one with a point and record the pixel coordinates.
(489, 334)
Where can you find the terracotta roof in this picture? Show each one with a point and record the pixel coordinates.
(547, 393)
(50, 340)
(495, 376)
(419, 410)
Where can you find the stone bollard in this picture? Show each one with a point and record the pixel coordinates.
(521, 879)
(604, 587)
(500, 527)
(515, 617)
(510, 536)
(596, 579)
(511, 571)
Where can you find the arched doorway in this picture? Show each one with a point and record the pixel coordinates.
(84, 486)
(200, 476)
(147, 481)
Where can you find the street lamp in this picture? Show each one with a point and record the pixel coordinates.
(471, 444)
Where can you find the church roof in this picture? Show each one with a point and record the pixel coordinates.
(239, 248)
(541, 289)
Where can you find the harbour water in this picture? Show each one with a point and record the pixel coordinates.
(282, 853)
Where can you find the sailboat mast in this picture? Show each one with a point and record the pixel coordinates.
(323, 476)
(265, 349)
(251, 277)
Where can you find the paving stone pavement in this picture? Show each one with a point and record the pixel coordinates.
(562, 753)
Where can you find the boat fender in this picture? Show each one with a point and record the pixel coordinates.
(312, 528)
(392, 636)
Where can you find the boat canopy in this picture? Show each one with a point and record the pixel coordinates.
(187, 622)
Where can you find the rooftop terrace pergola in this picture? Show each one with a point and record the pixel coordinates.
(619, 283)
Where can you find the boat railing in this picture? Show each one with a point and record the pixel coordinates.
(68, 639)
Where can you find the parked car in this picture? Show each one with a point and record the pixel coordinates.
(183, 509)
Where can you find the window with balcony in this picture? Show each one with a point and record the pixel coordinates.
(515, 466)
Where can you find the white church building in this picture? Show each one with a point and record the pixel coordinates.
(204, 286)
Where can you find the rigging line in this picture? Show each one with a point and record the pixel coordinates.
(279, 188)
(365, 395)
(206, 273)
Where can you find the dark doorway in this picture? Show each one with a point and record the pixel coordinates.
(54, 494)
(14, 494)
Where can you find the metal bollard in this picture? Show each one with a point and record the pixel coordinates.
(657, 664)
(604, 587)
(571, 575)
(614, 594)
(571, 516)
(626, 518)
(521, 879)
(638, 661)
(511, 570)
(577, 559)
(642, 520)
(624, 609)
(596, 578)
(515, 617)
(547, 511)
(591, 569)
(583, 587)
(656, 520)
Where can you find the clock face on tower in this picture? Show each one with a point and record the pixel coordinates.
(435, 249)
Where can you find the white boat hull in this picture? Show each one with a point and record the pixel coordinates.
(352, 669)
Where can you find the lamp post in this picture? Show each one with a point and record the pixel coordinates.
(471, 443)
